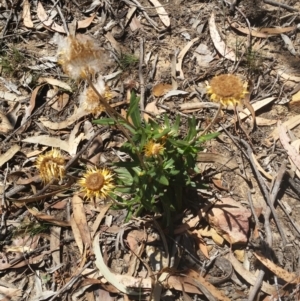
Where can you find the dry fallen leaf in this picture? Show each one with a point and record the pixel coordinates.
(26, 14)
(181, 56)
(277, 270)
(161, 89)
(248, 276)
(81, 221)
(86, 22)
(163, 15)
(48, 218)
(9, 154)
(47, 21)
(5, 125)
(218, 42)
(230, 219)
(55, 82)
(263, 32)
(285, 141)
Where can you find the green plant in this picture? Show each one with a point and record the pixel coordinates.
(162, 163)
(31, 228)
(254, 60)
(127, 60)
(11, 61)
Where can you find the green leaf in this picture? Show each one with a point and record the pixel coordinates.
(208, 137)
(192, 129)
(163, 133)
(104, 121)
(163, 180)
(133, 110)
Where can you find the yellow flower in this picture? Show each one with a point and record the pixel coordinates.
(80, 56)
(51, 165)
(90, 101)
(227, 89)
(97, 183)
(153, 149)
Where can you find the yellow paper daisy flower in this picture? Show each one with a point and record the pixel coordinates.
(51, 165)
(227, 89)
(96, 183)
(153, 149)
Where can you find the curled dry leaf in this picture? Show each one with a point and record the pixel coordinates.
(78, 113)
(296, 145)
(161, 89)
(81, 221)
(86, 22)
(9, 154)
(263, 32)
(181, 56)
(278, 271)
(174, 93)
(48, 218)
(207, 288)
(230, 219)
(294, 104)
(248, 276)
(218, 42)
(285, 141)
(47, 21)
(125, 284)
(55, 82)
(267, 175)
(289, 124)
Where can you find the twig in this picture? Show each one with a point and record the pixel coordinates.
(253, 211)
(70, 283)
(285, 6)
(211, 123)
(7, 22)
(261, 184)
(273, 195)
(142, 82)
(29, 118)
(61, 16)
(3, 204)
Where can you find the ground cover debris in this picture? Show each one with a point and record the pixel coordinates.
(149, 150)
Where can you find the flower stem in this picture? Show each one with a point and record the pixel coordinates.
(112, 113)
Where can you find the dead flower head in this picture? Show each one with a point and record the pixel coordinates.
(96, 183)
(90, 101)
(51, 165)
(153, 149)
(80, 56)
(227, 89)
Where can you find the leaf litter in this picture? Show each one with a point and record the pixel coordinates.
(66, 246)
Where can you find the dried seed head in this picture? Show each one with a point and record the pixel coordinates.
(227, 89)
(51, 165)
(80, 57)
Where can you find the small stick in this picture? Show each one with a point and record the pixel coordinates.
(212, 122)
(29, 118)
(71, 282)
(61, 16)
(274, 192)
(142, 82)
(261, 184)
(285, 6)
